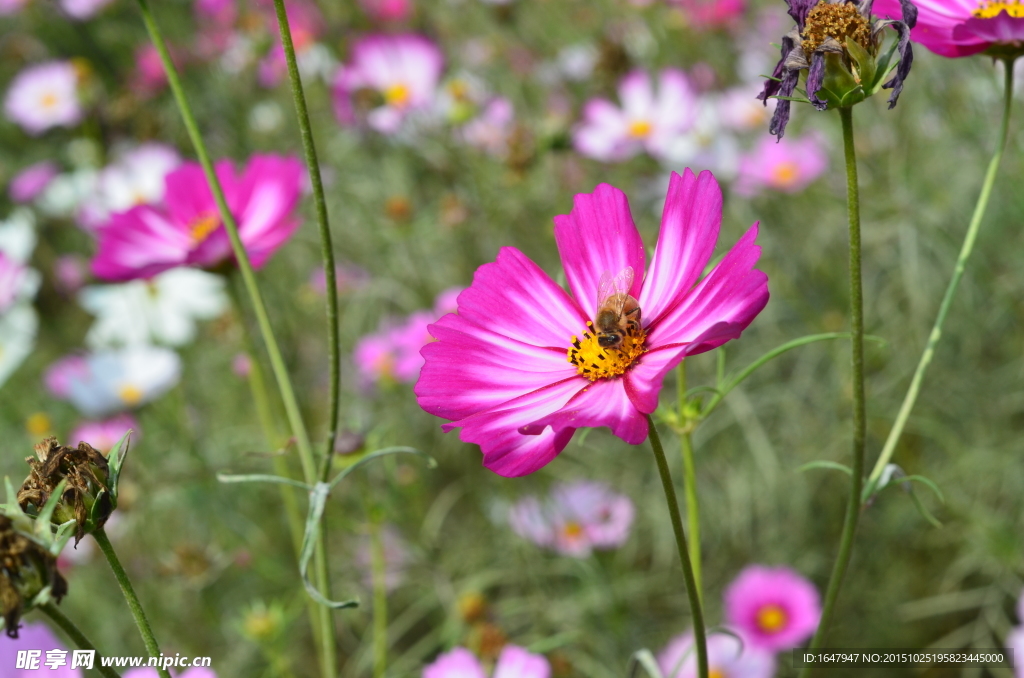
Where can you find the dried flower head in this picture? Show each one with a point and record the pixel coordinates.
(28, 574)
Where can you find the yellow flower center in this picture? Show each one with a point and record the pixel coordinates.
(130, 394)
(201, 228)
(785, 173)
(839, 21)
(640, 129)
(572, 530)
(771, 618)
(459, 90)
(990, 10)
(48, 100)
(716, 673)
(594, 361)
(37, 424)
(397, 95)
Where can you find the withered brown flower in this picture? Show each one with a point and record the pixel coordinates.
(26, 569)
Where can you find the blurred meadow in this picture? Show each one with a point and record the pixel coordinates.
(413, 214)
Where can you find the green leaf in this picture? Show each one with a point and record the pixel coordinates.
(115, 459)
(382, 453)
(823, 464)
(928, 482)
(644, 658)
(925, 513)
(866, 64)
(261, 478)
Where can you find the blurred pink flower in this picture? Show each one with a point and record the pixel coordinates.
(387, 10)
(60, 374)
(958, 28)
(43, 96)
(402, 69)
(520, 389)
(31, 181)
(704, 14)
(727, 658)
(514, 662)
(577, 518)
(12, 6)
(70, 272)
(306, 23)
(221, 12)
(490, 131)
(103, 435)
(147, 239)
(12, 281)
(83, 9)
(34, 637)
(396, 558)
(241, 365)
(774, 607)
(739, 109)
(149, 77)
(787, 165)
(447, 301)
(648, 120)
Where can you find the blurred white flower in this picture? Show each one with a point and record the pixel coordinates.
(163, 309)
(135, 178)
(67, 192)
(18, 285)
(707, 144)
(17, 337)
(118, 380)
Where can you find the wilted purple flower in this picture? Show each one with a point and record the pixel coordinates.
(774, 607)
(31, 181)
(577, 518)
(43, 96)
(789, 165)
(514, 662)
(728, 657)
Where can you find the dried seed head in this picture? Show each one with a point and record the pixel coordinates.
(26, 570)
(840, 21)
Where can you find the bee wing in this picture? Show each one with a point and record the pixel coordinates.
(611, 285)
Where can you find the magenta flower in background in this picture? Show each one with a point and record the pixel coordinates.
(648, 120)
(774, 607)
(727, 658)
(387, 10)
(31, 181)
(34, 637)
(703, 14)
(521, 389)
(788, 165)
(576, 519)
(103, 435)
(149, 76)
(958, 28)
(402, 69)
(514, 662)
(44, 96)
(148, 239)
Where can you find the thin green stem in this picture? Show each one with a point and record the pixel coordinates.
(696, 609)
(129, 595)
(380, 598)
(326, 247)
(75, 634)
(958, 271)
(857, 360)
(689, 479)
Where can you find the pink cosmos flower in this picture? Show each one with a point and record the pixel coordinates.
(148, 239)
(727, 658)
(490, 131)
(514, 662)
(402, 69)
(647, 121)
(31, 181)
(774, 607)
(103, 435)
(306, 24)
(788, 165)
(387, 10)
(958, 28)
(711, 13)
(578, 518)
(44, 96)
(149, 76)
(35, 637)
(521, 367)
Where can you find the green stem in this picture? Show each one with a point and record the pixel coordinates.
(689, 480)
(699, 633)
(859, 417)
(380, 599)
(958, 271)
(75, 634)
(129, 595)
(326, 247)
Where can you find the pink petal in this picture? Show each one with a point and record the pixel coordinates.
(188, 196)
(267, 195)
(458, 663)
(596, 237)
(637, 95)
(140, 243)
(689, 231)
(515, 662)
(602, 403)
(1001, 28)
(603, 134)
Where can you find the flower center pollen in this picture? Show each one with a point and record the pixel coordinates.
(640, 129)
(990, 10)
(716, 673)
(771, 618)
(48, 100)
(785, 174)
(201, 228)
(397, 95)
(130, 394)
(594, 361)
(841, 21)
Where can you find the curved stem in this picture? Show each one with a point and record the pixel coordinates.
(75, 634)
(857, 359)
(958, 271)
(689, 481)
(699, 633)
(129, 595)
(326, 246)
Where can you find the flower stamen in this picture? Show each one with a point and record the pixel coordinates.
(397, 95)
(594, 361)
(990, 10)
(840, 21)
(640, 129)
(771, 618)
(201, 228)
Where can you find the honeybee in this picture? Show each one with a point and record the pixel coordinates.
(617, 311)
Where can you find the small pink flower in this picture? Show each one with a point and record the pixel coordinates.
(103, 435)
(647, 121)
(577, 518)
(727, 658)
(8, 7)
(148, 239)
(44, 96)
(774, 607)
(788, 165)
(514, 662)
(31, 181)
(402, 69)
(149, 76)
(12, 281)
(69, 272)
(739, 110)
(241, 365)
(387, 10)
(491, 130)
(34, 637)
(60, 375)
(521, 389)
(221, 12)
(958, 28)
